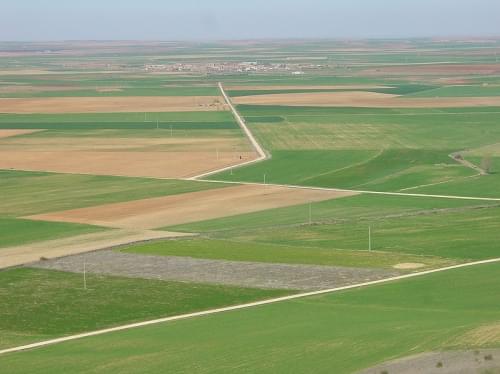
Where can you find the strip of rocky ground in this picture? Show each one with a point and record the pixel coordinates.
(186, 269)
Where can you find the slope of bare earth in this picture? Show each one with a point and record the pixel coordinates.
(190, 207)
(131, 164)
(234, 273)
(112, 104)
(10, 133)
(484, 361)
(14, 256)
(364, 99)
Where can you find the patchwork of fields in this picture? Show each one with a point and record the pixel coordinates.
(167, 145)
(375, 149)
(104, 222)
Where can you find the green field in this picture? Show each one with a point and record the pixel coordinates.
(360, 208)
(404, 229)
(105, 118)
(461, 91)
(273, 251)
(370, 149)
(43, 304)
(105, 121)
(461, 234)
(340, 333)
(17, 231)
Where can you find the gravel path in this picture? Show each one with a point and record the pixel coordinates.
(248, 274)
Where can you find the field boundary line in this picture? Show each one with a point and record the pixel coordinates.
(239, 307)
(263, 155)
(387, 193)
(371, 158)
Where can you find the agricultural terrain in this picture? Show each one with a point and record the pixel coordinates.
(354, 184)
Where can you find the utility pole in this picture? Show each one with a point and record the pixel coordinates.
(264, 178)
(157, 124)
(369, 238)
(84, 274)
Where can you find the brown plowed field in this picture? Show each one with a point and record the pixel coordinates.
(191, 207)
(112, 104)
(131, 164)
(364, 99)
(310, 87)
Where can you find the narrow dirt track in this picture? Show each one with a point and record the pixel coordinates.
(263, 155)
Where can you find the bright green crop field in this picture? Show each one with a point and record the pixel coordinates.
(16, 231)
(133, 121)
(340, 333)
(364, 208)
(258, 250)
(43, 304)
(370, 149)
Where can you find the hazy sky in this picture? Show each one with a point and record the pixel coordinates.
(236, 19)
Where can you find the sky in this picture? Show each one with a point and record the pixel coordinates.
(26, 20)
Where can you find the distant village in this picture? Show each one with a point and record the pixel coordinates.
(232, 68)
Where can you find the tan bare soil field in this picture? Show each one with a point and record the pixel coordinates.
(29, 89)
(9, 133)
(316, 87)
(23, 71)
(132, 164)
(409, 266)
(191, 207)
(112, 104)
(110, 89)
(364, 99)
(155, 156)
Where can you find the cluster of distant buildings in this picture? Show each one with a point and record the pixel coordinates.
(231, 68)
